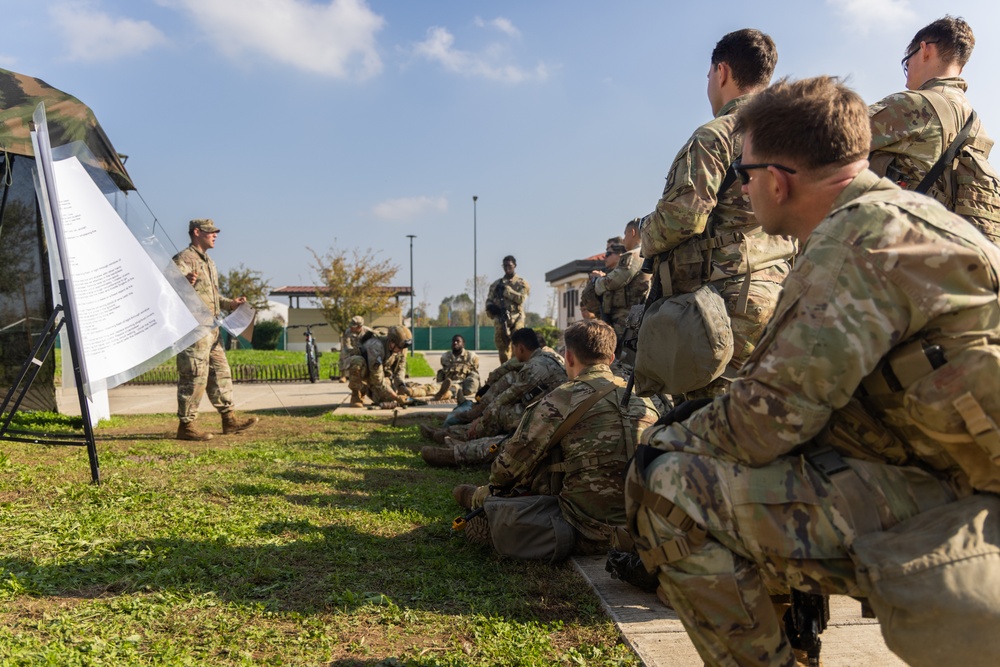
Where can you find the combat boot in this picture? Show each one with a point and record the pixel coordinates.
(233, 424)
(357, 400)
(439, 457)
(188, 431)
(477, 529)
(463, 494)
(443, 391)
(343, 379)
(432, 434)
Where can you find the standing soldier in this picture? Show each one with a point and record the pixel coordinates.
(204, 365)
(625, 285)
(379, 369)
(461, 368)
(912, 129)
(703, 230)
(350, 344)
(505, 304)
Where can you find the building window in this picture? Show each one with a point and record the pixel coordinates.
(571, 300)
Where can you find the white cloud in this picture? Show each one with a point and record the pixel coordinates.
(500, 23)
(408, 208)
(440, 47)
(866, 15)
(93, 35)
(335, 39)
(7, 62)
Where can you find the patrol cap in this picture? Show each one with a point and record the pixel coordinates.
(204, 224)
(357, 321)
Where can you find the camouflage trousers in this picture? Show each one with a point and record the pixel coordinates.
(493, 422)
(465, 388)
(769, 528)
(203, 366)
(480, 450)
(358, 380)
(423, 389)
(501, 338)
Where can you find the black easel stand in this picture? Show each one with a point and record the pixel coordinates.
(47, 341)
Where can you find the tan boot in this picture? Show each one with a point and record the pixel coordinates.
(439, 457)
(433, 434)
(343, 379)
(357, 400)
(233, 424)
(463, 494)
(443, 391)
(188, 431)
(477, 529)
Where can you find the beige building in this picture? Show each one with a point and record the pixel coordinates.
(568, 281)
(303, 309)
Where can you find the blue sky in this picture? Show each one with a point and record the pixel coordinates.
(309, 123)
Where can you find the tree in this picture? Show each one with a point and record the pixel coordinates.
(242, 281)
(353, 283)
(455, 311)
(482, 287)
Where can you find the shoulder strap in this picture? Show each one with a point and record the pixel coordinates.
(578, 413)
(949, 120)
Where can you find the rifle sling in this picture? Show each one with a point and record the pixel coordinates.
(947, 157)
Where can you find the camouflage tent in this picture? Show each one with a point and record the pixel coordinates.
(25, 285)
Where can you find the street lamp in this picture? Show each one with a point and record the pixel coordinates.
(412, 316)
(475, 278)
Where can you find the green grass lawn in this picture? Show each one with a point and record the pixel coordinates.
(310, 540)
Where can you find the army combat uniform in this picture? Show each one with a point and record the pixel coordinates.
(204, 366)
(889, 287)
(736, 245)
(908, 137)
(376, 373)
(623, 287)
(508, 295)
(350, 346)
(460, 371)
(591, 456)
(543, 371)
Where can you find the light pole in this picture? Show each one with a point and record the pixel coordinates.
(475, 278)
(412, 315)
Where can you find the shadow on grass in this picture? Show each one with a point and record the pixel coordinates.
(324, 568)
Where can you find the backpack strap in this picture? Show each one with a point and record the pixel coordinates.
(557, 469)
(949, 121)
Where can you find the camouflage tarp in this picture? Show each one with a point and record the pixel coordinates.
(68, 118)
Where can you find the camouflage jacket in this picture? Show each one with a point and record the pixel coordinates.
(594, 452)
(623, 287)
(349, 344)
(509, 367)
(908, 137)
(512, 292)
(207, 286)
(691, 203)
(458, 367)
(385, 371)
(886, 267)
(542, 372)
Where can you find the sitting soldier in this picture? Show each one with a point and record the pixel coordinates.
(566, 459)
(379, 370)
(459, 367)
(542, 371)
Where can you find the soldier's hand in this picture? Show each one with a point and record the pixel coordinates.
(192, 277)
(240, 300)
(401, 400)
(597, 274)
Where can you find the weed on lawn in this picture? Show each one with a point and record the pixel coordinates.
(309, 540)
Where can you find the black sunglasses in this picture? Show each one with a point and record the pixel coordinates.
(742, 169)
(905, 62)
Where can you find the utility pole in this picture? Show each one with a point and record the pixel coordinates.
(412, 314)
(475, 277)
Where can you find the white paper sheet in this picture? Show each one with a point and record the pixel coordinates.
(238, 320)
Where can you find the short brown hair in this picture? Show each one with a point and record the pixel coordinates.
(815, 122)
(750, 54)
(632, 224)
(953, 37)
(591, 341)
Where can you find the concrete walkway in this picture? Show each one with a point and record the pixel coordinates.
(648, 627)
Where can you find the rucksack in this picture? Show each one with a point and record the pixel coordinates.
(971, 187)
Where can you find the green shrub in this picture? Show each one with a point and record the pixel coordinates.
(551, 335)
(266, 335)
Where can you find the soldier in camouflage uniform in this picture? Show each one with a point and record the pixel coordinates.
(768, 486)
(203, 366)
(591, 304)
(543, 370)
(693, 206)
(505, 304)
(459, 367)
(379, 370)
(624, 286)
(592, 454)
(350, 344)
(908, 133)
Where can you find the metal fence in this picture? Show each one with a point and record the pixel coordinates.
(241, 373)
